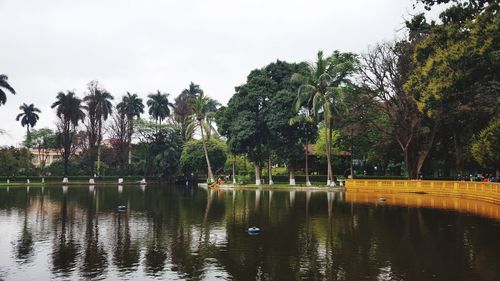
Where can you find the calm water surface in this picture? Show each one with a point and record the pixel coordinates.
(179, 233)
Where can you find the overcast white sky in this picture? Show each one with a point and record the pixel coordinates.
(141, 46)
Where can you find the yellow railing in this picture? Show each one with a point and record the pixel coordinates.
(476, 190)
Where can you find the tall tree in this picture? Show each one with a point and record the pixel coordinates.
(98, 106)
(201, 106)
(386, 69)
(242, 121)
(320, 90)
(132, 107)
(4, 84)
(159, 107)
(183, 111)
(119, 133)
(28, 117)
(457, 72)
(70, 113)
(255, 120)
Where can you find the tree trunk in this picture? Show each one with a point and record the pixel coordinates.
(410, 164)
(130, 132)
(66, 146)
(257, 174)
(330, 167)
(425, 149)
(210, 174)
(308, 183)
(329, 177)
(99, 140)
(234, 169)
(270, 171)
(98, 159)
(28, 160)
(292, 176)
(129, 153)
(459, 154)
(66, 158)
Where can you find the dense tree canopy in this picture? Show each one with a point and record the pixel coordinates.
(425, 103)
(486, 147)
(456, 79)
(193, 157)
(258, 114)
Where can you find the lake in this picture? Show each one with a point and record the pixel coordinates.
(181, 233)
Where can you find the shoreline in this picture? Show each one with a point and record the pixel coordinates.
(483, 191)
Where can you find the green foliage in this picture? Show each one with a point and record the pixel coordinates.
(458, 68)
(28, 117)
(242, 166)
(486, 147)
(131, 105)
(4, 84)
(472, 5)
(166, 151)
(320, 145)
(457, 73)
(183, 110)
(76, 167)
(256, 119)
(158, 151)
(43, 138)
(159, 106)
(14, 161)
(193, 157)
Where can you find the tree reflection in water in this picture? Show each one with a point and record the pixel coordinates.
(24, 248)
(126, 252)
(65, 249)
(94, 256)
(190, 233)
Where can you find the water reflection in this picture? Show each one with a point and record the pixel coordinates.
(24, 245)
(190, 233)
(126, 251)
(65, 248)
(95, 255)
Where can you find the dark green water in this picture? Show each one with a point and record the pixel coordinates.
(177, 233)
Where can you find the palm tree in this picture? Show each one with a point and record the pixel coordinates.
(207, 122)
(99, 108)
(320, 89)
(201, 106)
(29, 118)
(193, 89)
(183, 110)
(69, 111)
(159, 107)
(5, 85)
(131, 106)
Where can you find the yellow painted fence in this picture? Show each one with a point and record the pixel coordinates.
(486, 191)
